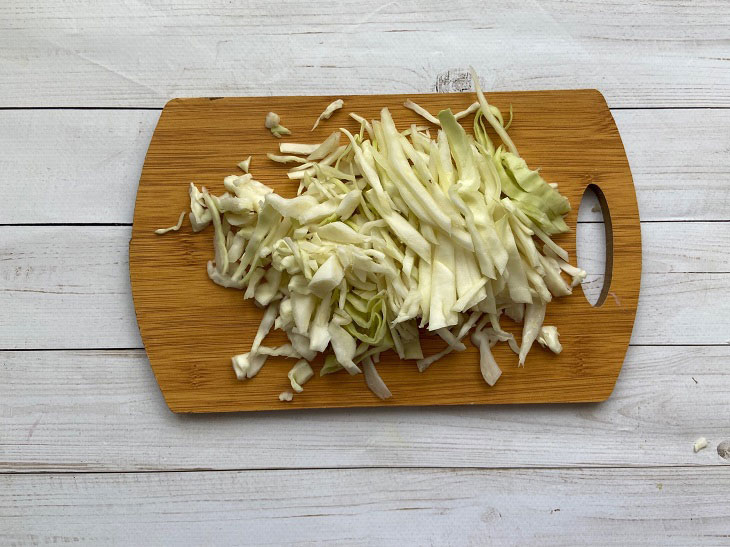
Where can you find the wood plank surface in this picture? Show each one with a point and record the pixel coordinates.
(68, 286)
(569, 134)
(92, 410)
(89, 162)
(72, 166)
(103, 53)
(680, 162)
(84, 411)
(371, 507)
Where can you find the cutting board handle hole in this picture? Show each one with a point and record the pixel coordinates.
(594, 245)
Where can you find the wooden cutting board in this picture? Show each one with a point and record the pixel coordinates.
(191, 327)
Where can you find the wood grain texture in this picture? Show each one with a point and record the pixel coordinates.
(570, 135)
(65, 287)
(85, 411)
(89, 162)
(103, 53)
(681, 172)
(72, 165)
(371, 507)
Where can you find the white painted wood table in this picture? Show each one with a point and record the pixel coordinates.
(89, 452)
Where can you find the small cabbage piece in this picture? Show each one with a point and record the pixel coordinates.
(340, 232)
(553, 280)
(578, 275)
(487, 112)
(236, 247)
(296, 207)
(297, 148)
(473, 107)
(266, 323)
(327, 277)
(330, 366)
(222, 279)
(300, 343)
(488, 366)
(246, 363)
(282, 351)
(219, 238)
(326, 148)
(245, 165)
(174, 228)
(286, 317)
(534, 316)
(319, 333)
(433, 119)
(549, 338)
(343, 344)
(364, 123)
(502, 335)
(303, 306)
(248, 194)
(199, 216)
(456, 345)
(450, 339)
(286, 396)
(443, 286)
(421, 112)
(273, 124)
(374, 381)
(331, 108)
(299, 375)
(287, 158)
(369, 318)
(699, 444)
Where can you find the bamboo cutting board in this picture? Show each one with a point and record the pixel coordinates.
(191, 327)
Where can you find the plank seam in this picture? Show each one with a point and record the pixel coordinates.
(369, 467)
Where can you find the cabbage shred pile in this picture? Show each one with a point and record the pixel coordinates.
(391, 232)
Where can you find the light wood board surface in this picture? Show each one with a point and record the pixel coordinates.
(105, 54)
(417, 507)
(651, 419)
(192, 327)
(77, 395)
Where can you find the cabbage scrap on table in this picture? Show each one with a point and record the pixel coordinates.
(391, 232)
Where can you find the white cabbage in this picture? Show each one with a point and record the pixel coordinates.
(389, 232)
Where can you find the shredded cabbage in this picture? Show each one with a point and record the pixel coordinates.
(488, 366)
(374, 381)
(331, 108)
(300, 374)
(390, 232)
(174, 228)
(549, 338)
(245, 165)
(273, 124)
